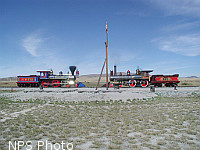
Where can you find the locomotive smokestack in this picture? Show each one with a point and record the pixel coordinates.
(72, 69)
(137, 70)
(115, 70)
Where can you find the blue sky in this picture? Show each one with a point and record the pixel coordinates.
(163, 35)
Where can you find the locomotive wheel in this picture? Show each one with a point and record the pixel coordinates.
(55, 83)
(45, 84)
(144, 83)
(132, 83)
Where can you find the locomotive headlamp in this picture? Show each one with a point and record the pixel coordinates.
(71, 82)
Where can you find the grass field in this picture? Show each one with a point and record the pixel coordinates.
(8, 84)
(157, 123)
(184, 82)
(189, 82)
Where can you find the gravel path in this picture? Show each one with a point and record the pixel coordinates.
(90, 94)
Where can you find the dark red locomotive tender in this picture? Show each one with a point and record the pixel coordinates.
(167, 80)
(142, 79)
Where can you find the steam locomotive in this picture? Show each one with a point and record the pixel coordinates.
(142, 79)
(48, 79)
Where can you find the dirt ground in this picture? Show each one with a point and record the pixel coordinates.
(126, 118)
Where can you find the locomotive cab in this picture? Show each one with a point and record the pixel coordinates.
(45, 74)
(146, 73)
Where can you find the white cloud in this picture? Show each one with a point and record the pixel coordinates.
(179, 7)
(188, 45)
(181, 26)
(122, 55)
(32, 43)
(132, 13)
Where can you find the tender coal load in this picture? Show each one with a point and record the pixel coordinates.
(72, 69)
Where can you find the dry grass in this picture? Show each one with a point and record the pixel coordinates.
(8, 84)
(158, 123)
(189, 82)
(91, 78)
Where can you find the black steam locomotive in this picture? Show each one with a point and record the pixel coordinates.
(142, 79)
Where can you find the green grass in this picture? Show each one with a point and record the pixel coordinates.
(158, 123)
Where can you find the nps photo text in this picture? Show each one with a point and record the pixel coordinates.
(46, 145)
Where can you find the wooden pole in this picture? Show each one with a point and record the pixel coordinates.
(105, 62)
(100, 74)
(106, 56)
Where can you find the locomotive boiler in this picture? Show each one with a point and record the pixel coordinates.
(141, 78)
(46, 78)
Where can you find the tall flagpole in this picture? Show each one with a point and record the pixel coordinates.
(106, 43)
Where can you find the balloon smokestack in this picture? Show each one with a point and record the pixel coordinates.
(72, 69)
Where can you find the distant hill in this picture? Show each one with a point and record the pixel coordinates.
(192, 77)
(83, 78)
